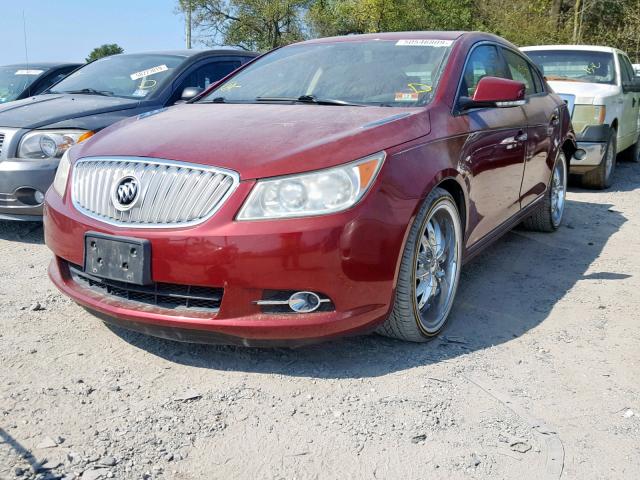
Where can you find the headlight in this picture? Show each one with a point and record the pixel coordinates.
(50, 143)
(584, 115)
(62, 174)
(314, 193)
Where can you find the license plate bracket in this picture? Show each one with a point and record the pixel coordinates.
(122, 259)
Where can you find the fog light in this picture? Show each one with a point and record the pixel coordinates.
(29, 196)
(304, 302)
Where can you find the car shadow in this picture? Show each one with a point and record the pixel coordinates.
(25, 232)
(505, 292)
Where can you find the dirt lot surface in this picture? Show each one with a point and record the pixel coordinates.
(537, 376)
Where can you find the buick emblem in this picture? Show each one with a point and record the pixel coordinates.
(125, 193)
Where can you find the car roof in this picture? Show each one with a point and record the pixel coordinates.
(469, 36)
(196, 53)
(44, 65)
(585, 48)
(431, 35)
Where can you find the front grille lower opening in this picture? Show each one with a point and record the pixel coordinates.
(164, 295)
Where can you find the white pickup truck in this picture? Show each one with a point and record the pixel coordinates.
(603, 95)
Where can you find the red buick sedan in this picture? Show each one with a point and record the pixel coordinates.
(330, 187)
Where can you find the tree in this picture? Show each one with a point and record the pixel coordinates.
(248, 24)
(104, 51)
(341, 17)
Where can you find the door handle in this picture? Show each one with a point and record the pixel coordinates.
(633, 105)
(521, 137)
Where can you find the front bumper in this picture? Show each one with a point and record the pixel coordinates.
(351, 258)
(593, 158)
(592, 140)
(26, 175)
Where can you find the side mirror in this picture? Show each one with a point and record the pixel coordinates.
(190, 93)
(495, 92)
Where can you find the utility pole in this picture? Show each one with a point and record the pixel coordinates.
(188, 24)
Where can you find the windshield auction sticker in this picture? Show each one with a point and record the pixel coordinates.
(149, 71)
(422, 42)
(29, 72)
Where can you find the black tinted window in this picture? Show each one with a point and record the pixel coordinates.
(210, 73)
(519, 70)
(483, 62)
(626, 69)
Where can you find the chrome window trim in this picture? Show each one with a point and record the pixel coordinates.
(235, 177)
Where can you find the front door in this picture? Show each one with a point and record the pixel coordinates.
(493, 153)
(630, 106)
(543, 121)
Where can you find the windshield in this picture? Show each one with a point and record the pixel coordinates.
(575, 65)
(130, 76)
(382, 73)
(14, 80)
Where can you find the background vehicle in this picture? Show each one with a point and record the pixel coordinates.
(603, 94)
(24, 80)
(35, 132)
(328, 188)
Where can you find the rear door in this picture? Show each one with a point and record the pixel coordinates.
(543, 125)
(631, 106)
(493, 153)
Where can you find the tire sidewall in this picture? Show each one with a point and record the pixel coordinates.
(561, 157)
(441, 197)
(611, 145)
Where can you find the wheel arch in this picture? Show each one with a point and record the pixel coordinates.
(454, 188)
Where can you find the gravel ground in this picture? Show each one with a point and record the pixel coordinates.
(536, 376)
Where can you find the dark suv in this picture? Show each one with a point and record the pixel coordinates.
(35, 132)
(25, 80)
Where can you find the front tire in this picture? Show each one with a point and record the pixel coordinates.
(429, 271)
(601, 177)
(548, 217)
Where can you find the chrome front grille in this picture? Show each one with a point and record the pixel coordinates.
(171, 194)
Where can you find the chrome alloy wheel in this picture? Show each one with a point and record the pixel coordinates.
(558, 191)
(437, 267)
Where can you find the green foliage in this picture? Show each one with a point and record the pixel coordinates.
(265, 24)
(104, 51)
(340, 17)
(248, 24)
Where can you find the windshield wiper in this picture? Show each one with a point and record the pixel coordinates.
(88, 91)
(309, 99)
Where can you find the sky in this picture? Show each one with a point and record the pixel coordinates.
(67, 30)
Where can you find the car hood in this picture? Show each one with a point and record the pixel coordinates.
(584, 93)
(43, 110)
(260, 140)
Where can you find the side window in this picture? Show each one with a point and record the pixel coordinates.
(519, 70)
(209, 73)
(626, 70)
(53, 79)
(537, 80)
(483, 62)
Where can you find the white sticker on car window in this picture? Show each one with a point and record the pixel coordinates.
(140, 93)
(421, 42)
(29, 72)
(149, 71)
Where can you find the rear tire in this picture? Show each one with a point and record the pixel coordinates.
(548, 217)
(601, 177)
(429, 271)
